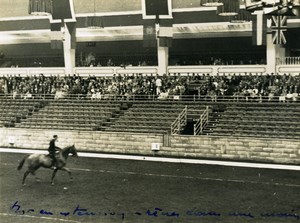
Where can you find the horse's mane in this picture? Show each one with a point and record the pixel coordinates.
(66, 150)
(68, 147)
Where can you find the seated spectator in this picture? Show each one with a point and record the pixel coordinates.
(213, 96)
(295, 97)
(289, 97)
(163, 95)
(90, 60)
(93, 94)
(282, 97)
(60, 94)
(98, 94)
(28, 95)
(110, 63)
(254, 94)
(15, 94)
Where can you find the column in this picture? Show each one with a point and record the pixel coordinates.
(275, 54)
(162, 50)
(163, 59)
(69, 43)
(271, 54)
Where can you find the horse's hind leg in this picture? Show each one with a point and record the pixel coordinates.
(69, 172)
(25, 175)
(33, 173)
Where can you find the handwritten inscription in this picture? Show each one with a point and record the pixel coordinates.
(281, 215)
(197, 213)
(78, 212)
(156, 212)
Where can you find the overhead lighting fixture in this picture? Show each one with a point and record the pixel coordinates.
(94, 22)
(40, 7)
(282, 12)
(273, 7)
(242, 17)
(210, 3)
(229, 8)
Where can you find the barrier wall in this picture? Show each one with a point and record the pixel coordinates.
(264, 150)
(84, 141)
(252, 149)
(148, 70)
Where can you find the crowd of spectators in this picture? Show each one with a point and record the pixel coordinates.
(94, 62)
(248, 87)
(215, 61)
(92, 86)
(119, 62)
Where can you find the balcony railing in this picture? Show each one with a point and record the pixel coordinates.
(295, 98)
(288, 61)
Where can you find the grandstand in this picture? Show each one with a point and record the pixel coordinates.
(184, 72)
(180, 110)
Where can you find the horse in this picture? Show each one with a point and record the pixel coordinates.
(35, 161)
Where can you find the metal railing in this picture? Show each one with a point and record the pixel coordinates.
(202, 122)
(288, 60)
(151, 97)
(180, 122)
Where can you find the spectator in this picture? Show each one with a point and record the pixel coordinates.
(110, 63)
(158, 84)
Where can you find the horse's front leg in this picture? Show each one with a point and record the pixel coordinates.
(69, 172)
(53, 175)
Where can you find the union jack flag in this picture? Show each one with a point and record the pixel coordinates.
(279, 26)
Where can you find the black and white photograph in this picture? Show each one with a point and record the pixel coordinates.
(145, 111)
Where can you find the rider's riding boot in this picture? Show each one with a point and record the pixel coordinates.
(53, 165)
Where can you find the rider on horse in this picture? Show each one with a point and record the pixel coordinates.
(52, 150)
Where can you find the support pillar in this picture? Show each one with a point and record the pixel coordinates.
(275, 54)
(163, 59)
(271, 55)
(69, 44)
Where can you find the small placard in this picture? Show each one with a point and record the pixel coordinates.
(155, 146)
(176, 97)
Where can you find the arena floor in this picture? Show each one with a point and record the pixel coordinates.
(113, 190)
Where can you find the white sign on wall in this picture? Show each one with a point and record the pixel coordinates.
(155, 146)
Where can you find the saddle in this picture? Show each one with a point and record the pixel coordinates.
(53, 162)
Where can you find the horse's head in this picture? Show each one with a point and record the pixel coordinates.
(72, 150)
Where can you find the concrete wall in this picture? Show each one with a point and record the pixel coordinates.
(83, 140)
(265, 150)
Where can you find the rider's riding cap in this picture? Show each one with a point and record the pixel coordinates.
(55, 136)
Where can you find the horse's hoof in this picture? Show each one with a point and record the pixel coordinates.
(38, 180)
(23, 185)
(52, 184)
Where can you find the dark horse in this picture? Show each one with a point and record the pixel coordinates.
(35, 161)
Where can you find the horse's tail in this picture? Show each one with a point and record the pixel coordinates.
(22, 162)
